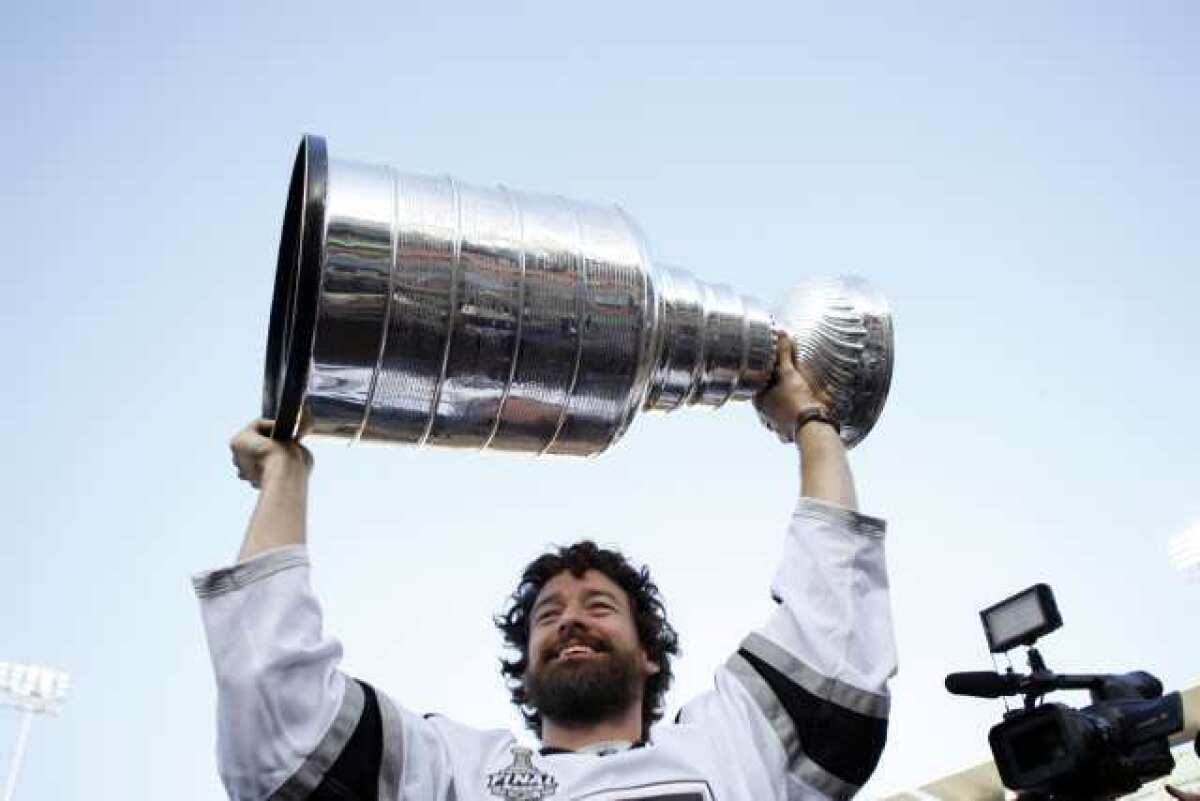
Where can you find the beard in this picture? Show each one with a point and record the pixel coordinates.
(584, 690)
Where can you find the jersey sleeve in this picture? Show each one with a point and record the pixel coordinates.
(807, 695)
(290, 724)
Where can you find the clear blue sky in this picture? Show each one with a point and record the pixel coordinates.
(1022, 182)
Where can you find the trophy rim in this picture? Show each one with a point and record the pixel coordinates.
(297, 289)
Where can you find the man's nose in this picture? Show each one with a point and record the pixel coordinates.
(569, 622)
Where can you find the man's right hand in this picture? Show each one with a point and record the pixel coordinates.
(259, 459)
(280, 470)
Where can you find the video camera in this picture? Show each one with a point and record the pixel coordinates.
(1053, 751)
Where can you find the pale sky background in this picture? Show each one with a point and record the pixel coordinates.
(1022, 182)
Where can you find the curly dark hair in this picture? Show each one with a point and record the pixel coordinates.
(656, 635)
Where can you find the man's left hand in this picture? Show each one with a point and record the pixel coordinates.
(788, 394)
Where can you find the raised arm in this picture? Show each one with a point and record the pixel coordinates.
(284, 710)
(280, 472)
(290, 723)
(824, 470)
(803, 703)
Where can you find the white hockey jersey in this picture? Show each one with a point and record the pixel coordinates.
(800, 711)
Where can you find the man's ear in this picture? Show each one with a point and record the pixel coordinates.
(651, 667)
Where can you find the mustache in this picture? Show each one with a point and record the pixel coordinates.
(575, 635)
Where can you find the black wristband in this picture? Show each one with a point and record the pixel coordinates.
(810, 415)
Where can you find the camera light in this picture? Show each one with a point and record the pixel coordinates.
(1021, 618)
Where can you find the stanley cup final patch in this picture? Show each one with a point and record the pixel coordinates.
(522, 780)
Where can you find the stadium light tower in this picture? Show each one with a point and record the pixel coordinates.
(32, 690)
(1185, 551)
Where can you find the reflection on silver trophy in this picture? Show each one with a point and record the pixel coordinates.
(422, 310)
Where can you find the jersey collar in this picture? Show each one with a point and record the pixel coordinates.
(603, 748)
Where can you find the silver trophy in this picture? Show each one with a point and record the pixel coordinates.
(422, 310)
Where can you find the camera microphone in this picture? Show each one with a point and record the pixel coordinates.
(983, 684)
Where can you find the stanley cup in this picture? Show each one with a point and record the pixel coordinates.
(422, 310)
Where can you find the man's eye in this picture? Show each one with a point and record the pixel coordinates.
(601, 606)
(544, 615)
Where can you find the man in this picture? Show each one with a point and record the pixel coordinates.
(800, 711)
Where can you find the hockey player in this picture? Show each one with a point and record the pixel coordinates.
(800, 711)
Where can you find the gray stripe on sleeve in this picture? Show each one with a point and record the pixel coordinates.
(391, 769)
(226, 579)
(844, 695)
(825, 512)
(762, 694)
(306, 778)
(798, 765)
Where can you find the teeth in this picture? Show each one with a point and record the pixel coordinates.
(574, 650)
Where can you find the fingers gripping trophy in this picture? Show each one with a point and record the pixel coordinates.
(426, 311)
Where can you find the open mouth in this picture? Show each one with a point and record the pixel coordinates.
(576, 652)
(577, 648)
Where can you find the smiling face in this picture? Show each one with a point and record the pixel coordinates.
(586, 663)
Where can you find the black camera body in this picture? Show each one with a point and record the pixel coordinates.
(1109, 748)
(1053, 751)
